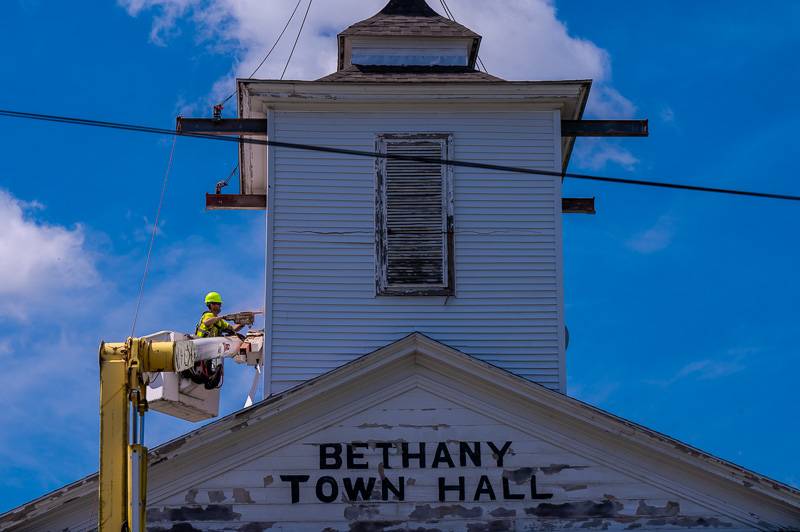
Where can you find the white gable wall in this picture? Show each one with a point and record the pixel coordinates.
(322, 307)
(580, 490)
(602, 473)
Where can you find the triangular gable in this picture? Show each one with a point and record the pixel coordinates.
(572, 465)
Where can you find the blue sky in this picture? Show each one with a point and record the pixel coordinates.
(681, 306)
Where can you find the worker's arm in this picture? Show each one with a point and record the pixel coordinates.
(210, 322)
(227, 326)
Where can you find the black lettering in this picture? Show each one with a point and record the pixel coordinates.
(499, 453)
(353, 456)
(507, 495)
(444, 488)
(330, 451)
(535, 493)
(295, 481)
(354, 490)
(321, 497)
(442, 455)
(385, 448)
(485, 488)
(420, 456)
(474, 453)
(399, 491)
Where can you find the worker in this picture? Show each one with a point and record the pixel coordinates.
(211, 324)
(210, 373)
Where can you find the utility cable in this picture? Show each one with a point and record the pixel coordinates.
(300, 32)
(222, 184)
(452, 17)
(153, 235)
(269, 53)
(371, 154)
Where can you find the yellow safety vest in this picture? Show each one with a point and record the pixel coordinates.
(215, 330)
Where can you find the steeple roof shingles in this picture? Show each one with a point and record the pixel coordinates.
(408, 18)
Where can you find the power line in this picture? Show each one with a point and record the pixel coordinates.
(302, 24)
(452, 17)
(371, 154)
(231, 95)
(153, 235)
(222, 184)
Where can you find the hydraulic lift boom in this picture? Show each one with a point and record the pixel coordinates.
(123, 457)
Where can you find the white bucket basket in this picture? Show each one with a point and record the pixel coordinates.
(175, 396)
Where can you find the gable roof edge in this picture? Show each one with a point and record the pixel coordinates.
(633, 432)
(417, 344)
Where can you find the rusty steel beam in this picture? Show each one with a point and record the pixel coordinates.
(577, 206)
(222, 126)
(256, 202)
(236, 202)
(569, 128)
(605, 128)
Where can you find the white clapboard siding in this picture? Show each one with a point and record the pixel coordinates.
(323, 309)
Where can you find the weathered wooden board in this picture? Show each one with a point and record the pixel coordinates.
(342, 467)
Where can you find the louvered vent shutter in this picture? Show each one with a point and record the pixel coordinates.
(415, 216)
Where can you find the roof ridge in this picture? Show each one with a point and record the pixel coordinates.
(419, 8)
(401, 20)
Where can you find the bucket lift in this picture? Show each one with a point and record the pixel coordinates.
(144, 373)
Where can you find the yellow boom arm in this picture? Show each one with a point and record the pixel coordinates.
(123, 458)
(122, 486)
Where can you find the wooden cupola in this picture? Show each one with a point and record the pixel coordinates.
(408, 33)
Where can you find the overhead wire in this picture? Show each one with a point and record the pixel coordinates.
(378, 155)
(452, 17)
(222, 184)
(300, 32)
(153, 235)
(269, 53)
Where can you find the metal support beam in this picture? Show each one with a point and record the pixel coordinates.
(577, 206)
(604, 128)
(256, 202)
(236, 202)
(569, 128)
(224, 126)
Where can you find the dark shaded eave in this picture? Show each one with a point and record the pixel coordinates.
(415, 74)
(569, 145)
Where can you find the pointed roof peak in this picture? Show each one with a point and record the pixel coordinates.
(409, 8)
(408, 18)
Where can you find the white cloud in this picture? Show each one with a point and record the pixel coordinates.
(596, 154)
(704, 370)
(667, 115)
(707, 369)
(594, 393)
(167, 13)
(41, 264)
(656, 238)
(52, 407)
(523, 39)
(607, 103)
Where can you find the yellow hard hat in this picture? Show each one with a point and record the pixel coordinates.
(213, 297)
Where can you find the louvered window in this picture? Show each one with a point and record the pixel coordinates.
(414, 215)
